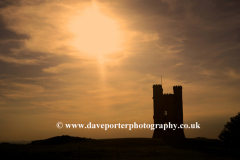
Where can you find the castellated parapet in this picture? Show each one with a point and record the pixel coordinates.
(168, 108)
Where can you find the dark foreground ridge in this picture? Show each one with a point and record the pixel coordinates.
(59, 140)
(67, 147)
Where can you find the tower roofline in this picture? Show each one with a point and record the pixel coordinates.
(177, 86)
(157, 85)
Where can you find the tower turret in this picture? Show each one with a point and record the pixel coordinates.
(157, 96)
(178, 104)
(157, 90)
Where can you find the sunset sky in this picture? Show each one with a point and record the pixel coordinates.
(81, 61)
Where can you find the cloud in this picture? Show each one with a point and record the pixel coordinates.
(15, 90)
(18, 61)
(46, 33)
(59, 68)
(233, 74)
(178, 64)
(7, 34)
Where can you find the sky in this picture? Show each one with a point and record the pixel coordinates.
(77, 62)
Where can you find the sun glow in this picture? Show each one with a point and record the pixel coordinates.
(94, 33)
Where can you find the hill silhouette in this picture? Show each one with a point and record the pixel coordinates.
(67, 147)
(59, 140)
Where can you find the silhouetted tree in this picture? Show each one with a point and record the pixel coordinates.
(230, 134)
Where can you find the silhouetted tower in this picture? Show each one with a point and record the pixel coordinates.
(168, 108)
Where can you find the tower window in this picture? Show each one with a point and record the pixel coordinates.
(165, 113)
